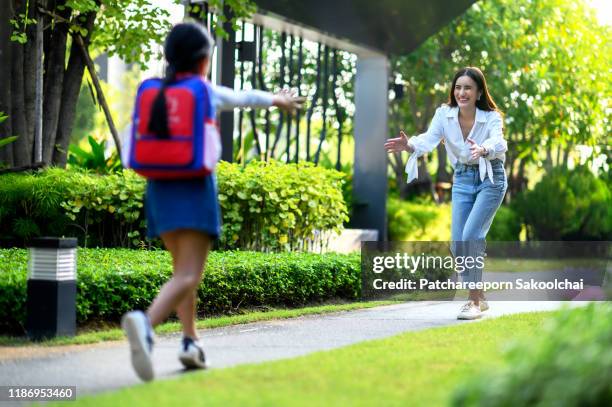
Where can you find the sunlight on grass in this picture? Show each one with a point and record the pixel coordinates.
(412, 369)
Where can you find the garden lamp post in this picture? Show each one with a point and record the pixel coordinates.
(51, 291)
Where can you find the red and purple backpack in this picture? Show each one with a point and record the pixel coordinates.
(193, 146)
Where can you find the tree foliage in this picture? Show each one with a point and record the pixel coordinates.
(544, 67)
(129, 29)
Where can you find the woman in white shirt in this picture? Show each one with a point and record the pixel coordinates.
(472, 128)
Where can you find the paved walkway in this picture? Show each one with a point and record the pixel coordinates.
(107, 367)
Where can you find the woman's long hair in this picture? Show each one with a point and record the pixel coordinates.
(185, 46)
(485, 101)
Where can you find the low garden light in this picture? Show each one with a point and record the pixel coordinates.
(51, 291)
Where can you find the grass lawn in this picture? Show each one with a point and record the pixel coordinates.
(88, 336)
(413, 369)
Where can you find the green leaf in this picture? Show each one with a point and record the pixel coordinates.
(7, 140)
(19, 37)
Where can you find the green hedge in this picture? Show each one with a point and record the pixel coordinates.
(113, 281)
(568, 205)
(100, 210)
(275, 205)
(506, 226)
(265, 206)
(568, 364)
(418, 221)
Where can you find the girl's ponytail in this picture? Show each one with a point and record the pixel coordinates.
(158, 123)
(185, 46)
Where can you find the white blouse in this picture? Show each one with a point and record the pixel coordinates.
(486, 132)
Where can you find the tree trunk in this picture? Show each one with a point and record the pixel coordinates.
(425, 178)
(443, 175)
(99, 93)
(510, 158)
(70, 93)
(516, 165)
(396, 162)
(515, 184)
(55, 56)
(22, 149)
(566, 154)
(400, 176)
(548, 162)
(6, 9)
(29, 78)
(522, 180)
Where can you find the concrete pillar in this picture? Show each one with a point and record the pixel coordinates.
(370, 171)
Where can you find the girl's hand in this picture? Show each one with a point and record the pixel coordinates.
(287, 101)
(395, 145)
(476, 151)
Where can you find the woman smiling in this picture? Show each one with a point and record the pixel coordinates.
(471, 126)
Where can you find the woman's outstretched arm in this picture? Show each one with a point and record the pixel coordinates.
(396, 145)
(418, 145)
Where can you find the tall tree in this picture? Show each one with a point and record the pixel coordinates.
(6, 55)
(127, 28)
(545, 68)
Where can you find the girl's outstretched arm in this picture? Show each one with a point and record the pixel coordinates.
(225, 98)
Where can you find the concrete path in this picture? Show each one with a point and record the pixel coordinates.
(107, 367)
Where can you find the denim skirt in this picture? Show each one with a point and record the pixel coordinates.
(182, 204)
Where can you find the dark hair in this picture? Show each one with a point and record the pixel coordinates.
(483, 103)
(185, 46)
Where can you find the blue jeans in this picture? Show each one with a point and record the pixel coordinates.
(474, 203)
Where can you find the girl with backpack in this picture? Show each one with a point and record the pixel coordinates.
(181, 203)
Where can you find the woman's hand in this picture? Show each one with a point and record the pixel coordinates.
(476, 151)
(395, 145)
(287, 101)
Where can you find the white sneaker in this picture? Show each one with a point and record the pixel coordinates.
(470, 311)
(140, 336)
(191, 354)
(484, 305)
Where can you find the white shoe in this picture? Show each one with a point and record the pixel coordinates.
(140, 336)
(470, 311)
(484, 305)
(191, 354)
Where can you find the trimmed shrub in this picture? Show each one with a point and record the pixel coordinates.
(414, 221)
(271, 205)
(100, 210)
(113, 281)
(568, 205)
(427, 221)
(506, 226)
(424, 221)
(266, 206)
(570, 364)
